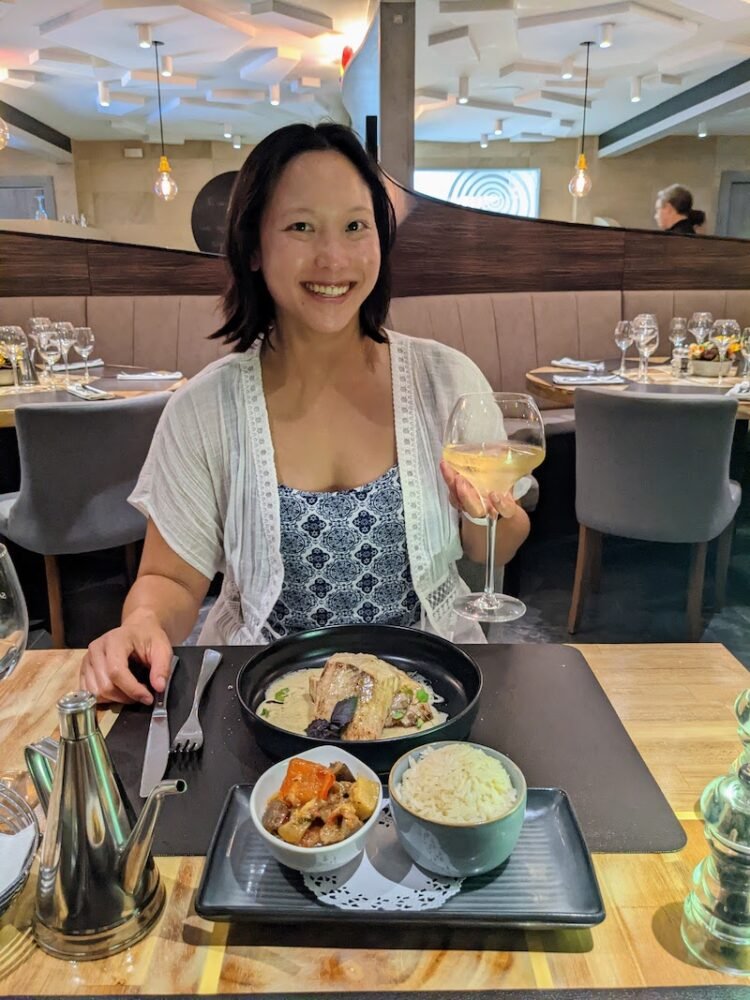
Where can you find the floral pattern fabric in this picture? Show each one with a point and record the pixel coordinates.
(345, 559)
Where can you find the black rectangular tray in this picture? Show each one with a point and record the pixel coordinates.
(548, 882)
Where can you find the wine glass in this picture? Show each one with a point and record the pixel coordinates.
(493, 439)
(49, 349)
(84, 345)
(646, 338)
(724, 331)
(12, 344)
(66, 334)
(745, 348)
(678, 331)
(623, 339)
(14, 618)
(700, 325)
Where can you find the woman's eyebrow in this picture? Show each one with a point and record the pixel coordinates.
(311, 211)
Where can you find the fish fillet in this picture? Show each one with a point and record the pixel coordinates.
(373, 681)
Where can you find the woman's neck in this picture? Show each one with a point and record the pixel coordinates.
(311, 357)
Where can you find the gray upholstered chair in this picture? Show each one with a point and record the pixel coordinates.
(654, 467)
(79, 462)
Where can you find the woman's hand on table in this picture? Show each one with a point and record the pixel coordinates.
(467, 500)
(105, 670)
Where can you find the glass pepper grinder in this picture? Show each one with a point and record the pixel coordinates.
(716, 914)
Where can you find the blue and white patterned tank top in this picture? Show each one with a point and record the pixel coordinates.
(345, 558)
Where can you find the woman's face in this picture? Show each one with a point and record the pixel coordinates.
(665, 214)
(319, 246)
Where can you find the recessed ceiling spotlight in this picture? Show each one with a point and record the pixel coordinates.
(102, 94)
(227, 132)
(566, 70)
(144, 35)
(236, 142)
(463, 89)
(274, 94)
(635, 90)
(499, 126)
(166, 66)
(606, 35)
(702, 130)
(484, 140)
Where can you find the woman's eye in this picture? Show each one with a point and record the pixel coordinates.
(300, 227)
(357, 227)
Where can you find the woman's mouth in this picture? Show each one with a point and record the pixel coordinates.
(328, 291)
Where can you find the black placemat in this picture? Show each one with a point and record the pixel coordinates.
(541, 705)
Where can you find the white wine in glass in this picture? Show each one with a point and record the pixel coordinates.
(493, 439)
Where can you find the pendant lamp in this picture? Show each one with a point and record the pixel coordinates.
(165, 186)
(580, 182)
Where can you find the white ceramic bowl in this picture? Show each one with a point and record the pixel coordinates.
(711, 369)
(312, 859)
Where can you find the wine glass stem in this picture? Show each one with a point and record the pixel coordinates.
(14, 366)
(642, 368)
(489, 576)
(86, 367)
(622, 362)
(67, 370)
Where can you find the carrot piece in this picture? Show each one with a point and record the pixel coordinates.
(305, 780)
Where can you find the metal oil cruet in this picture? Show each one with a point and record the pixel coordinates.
(716, 914)
(98, 889)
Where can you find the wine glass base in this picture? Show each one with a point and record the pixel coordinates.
(495, 608)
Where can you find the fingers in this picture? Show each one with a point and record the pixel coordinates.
(469, 498)
(503, 504)
(105, 670)
(450, 481)
(161, 661)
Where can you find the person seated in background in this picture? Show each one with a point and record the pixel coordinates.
(674, 212)
(306, 465)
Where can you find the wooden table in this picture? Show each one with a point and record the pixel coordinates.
(676, 703)
(104, 378)
(562, 395)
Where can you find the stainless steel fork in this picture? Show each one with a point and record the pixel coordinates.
(190, 736)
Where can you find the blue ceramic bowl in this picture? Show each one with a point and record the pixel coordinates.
(457, 848)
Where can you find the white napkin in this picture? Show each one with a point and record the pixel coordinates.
(14, 852)
(75, 366)
(150, 376)
(587, 379)
(581, 366)
(741, 389)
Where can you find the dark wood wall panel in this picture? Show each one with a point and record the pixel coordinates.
(120, 269)
(42, 265)
(441, 248)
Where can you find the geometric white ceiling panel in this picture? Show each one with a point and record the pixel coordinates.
(106, 29)
(522, 71)
(186, 109)
(72, 62)
(121, 104)
(304, 83)
(19, 78)
(716, 56)
(231, 96)
(532, 137)
(640, 33)
(300, 20)
(455, 44)
(719, 10)
(270, 65)
(548, 100)
(147, 78)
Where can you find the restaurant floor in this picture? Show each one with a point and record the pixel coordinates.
(642, 597)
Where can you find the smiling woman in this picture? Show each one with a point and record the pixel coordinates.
(305, 466)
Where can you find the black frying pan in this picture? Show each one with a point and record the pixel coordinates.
(450, 672)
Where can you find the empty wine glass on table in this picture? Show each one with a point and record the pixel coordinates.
(723, 333)
(678, 331)
(66, 333)
(623, 339)
(84, 345)
(646, 339)
(49, 350)
(700, 326)
(12, 344)
(14, 618)
(745, 349)
(493, 439)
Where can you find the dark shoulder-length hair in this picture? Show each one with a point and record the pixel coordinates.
(249, 310)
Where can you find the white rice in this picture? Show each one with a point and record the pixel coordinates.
(457, 784)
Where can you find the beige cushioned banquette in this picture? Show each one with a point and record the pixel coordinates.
(506, 334)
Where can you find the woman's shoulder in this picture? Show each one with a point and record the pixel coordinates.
(438, 361)
(215, 379)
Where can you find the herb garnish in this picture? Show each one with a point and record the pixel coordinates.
(341, 716)
(422, 695)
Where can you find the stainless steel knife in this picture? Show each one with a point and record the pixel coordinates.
(157, 744)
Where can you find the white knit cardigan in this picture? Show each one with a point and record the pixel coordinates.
(209, 484)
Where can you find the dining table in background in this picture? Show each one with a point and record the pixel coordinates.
(675, 702)
(103, 377)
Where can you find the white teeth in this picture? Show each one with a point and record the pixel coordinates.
(333, 291)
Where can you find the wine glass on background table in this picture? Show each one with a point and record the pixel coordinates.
(745, 349)
(493, 439)
(14, 618)
(12, 344)
(646, 338)
(700, 326)
(84, 345)
(49, 350)
(678, 331)
(623, 339)
(723, 333)
(66, 334)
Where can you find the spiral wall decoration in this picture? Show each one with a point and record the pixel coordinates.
(509, 192)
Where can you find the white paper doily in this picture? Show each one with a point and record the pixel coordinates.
(383, 877)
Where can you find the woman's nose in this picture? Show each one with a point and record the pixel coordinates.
(330, 252)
